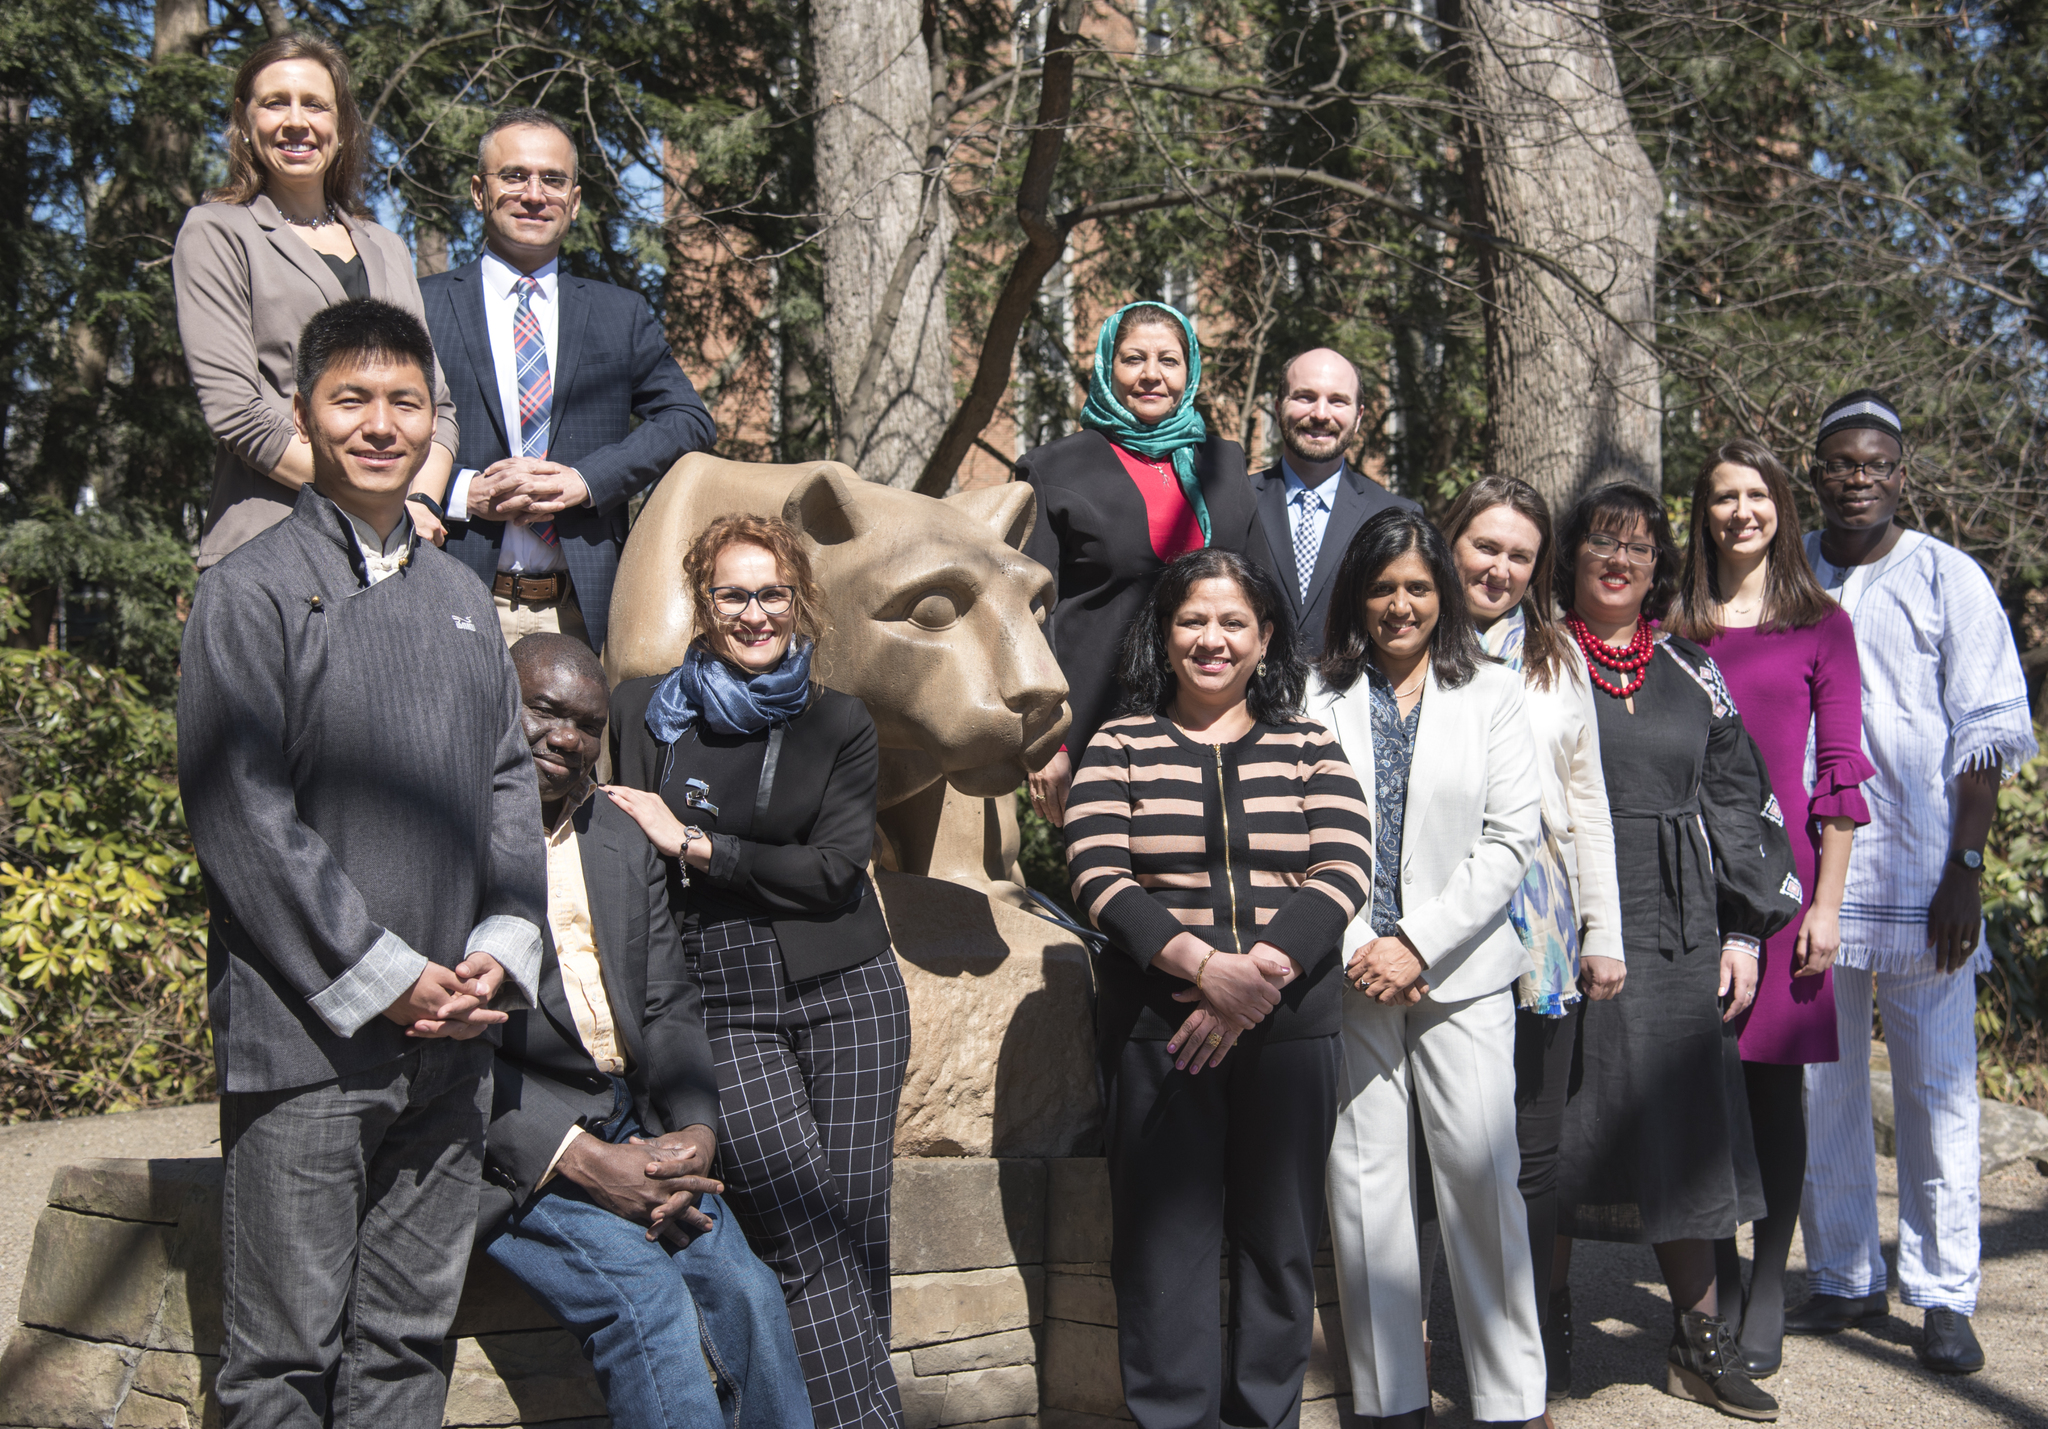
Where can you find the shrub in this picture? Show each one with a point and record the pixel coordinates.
(2012, 999)
(102, 916)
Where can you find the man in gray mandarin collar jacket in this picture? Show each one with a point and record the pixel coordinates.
(363, 806)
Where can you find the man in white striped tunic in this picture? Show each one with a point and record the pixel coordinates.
(1944, 715)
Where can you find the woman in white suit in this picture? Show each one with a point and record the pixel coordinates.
(1440, 737)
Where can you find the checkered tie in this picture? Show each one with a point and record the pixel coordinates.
(536, 384)
(1306, 504)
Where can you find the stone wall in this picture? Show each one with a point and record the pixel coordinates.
(1004, 1317)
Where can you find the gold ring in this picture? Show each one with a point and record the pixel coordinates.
(1215, 1039)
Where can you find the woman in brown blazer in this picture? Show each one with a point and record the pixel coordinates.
(288, 236)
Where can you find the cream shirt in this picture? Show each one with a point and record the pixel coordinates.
(577, 955)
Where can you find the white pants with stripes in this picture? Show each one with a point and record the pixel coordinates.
(1930, 1030)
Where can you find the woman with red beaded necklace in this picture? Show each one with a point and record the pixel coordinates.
(1657, 1144)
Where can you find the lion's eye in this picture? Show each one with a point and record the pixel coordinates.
(936, 610)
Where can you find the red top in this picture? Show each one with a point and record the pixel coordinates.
(1175, 528)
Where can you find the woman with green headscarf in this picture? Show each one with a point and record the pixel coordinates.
(1144, 481)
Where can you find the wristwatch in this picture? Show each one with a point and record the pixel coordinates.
(440, 512)
(1968, 858)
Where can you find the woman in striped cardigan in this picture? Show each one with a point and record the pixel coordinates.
(1221, 841)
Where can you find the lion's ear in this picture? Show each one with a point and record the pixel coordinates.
(1009, 510)
(822, 505)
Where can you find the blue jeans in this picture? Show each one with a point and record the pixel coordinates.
(681, 1339)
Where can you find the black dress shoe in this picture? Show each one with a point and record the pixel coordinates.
(1948, 1345)
(1761, 1361)
(1411, 1420)
(1831, 1314)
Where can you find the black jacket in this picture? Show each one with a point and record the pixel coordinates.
(805, 863)
(1357, 499)
(1093, 536)
(614, 365)
(544, 1081)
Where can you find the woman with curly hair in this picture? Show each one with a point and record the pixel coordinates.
(758, 783)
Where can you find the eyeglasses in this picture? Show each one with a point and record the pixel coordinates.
(553, 182)
(1835, 469)
(732, 600)
(1636, 553)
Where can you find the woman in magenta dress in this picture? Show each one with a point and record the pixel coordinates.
(1788, 654)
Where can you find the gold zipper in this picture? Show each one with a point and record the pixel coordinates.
(1230, 882)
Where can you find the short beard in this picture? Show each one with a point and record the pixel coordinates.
(1290, 439)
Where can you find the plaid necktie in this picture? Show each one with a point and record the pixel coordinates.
(536, 384)
(1306, 504)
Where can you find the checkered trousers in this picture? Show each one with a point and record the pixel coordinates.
(809, 1076)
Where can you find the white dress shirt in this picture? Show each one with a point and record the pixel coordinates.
(520, 550)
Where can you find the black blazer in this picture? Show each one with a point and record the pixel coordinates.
(614, 365)
(543, 1080)
(806, 865)
(1092, 535)
(1358, 499)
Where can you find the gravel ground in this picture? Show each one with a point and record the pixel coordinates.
(1854, 1380)
(1848, 1381)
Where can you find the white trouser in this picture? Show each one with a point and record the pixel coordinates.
(1930, 1030)
(1458, 1062)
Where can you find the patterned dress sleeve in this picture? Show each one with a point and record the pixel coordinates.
(1840, 766)
(1098, 831)
(1983, 689)
(1756, 883)
(1309, 926)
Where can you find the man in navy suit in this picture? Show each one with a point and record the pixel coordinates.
(1314, 501)
(547, 372)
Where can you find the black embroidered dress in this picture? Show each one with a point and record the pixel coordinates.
(1657, 1143)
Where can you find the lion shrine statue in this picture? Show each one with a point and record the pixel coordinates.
(934, 618)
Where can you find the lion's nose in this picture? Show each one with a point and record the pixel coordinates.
(1037, 696)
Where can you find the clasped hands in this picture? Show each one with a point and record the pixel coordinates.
(1389, 969)
(524, 489)
(655, 1183)
(1235, 995)
(451, 1002)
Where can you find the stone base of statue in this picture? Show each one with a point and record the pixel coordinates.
(1003, 1310)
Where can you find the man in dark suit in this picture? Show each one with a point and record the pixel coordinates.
(1314, 501)
(596, 1192)
(548, 372)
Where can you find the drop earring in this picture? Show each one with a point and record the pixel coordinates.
(1262, 668)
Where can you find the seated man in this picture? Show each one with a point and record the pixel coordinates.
(623, 1239)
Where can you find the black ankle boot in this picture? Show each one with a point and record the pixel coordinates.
(1705, 1366)
(1557, 1343)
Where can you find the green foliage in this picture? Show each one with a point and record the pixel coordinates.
(102, 915)
(1856, 199)
(2012, 1000)
(1043, 856)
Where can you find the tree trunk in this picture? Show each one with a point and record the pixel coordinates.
(430, 254)
(875, 81)
(1555, 167)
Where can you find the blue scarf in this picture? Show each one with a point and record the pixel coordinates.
(1176, 434)
(705, 688)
